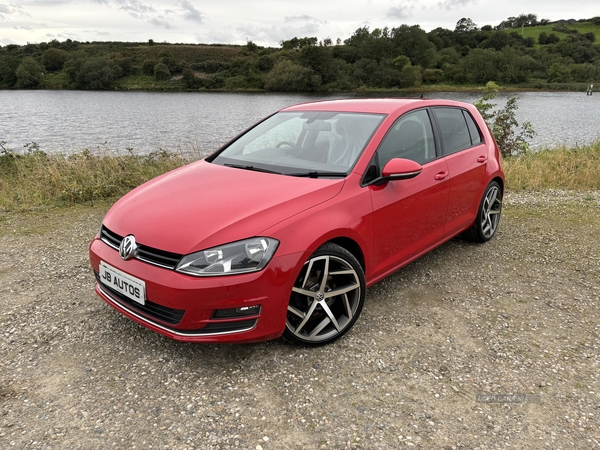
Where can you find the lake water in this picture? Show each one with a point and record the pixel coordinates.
(70, 121)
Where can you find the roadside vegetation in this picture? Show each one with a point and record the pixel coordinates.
(38, 180)
(520, 52)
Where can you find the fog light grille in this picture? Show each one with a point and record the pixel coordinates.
(243, 311)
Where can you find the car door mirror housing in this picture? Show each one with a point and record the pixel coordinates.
(398, 169)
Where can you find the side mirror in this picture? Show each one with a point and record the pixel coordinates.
(398, 169)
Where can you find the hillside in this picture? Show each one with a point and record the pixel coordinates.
(514, 54)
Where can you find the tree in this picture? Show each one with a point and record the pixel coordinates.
(478, 66)
(97, 73)
(513, 67)
(525, 20)
(465, 25)
(412, 41)
(400, 61)
(559, 73)
(54, 59)
(411, 76)
(296, 43)
(320, 60)
(73, 65)
(29, 73)
(8, 70)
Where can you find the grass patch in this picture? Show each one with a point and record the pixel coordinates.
(37, 180)
(579, 27)
(555, 168)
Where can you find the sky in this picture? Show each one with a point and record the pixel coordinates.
(263, 22)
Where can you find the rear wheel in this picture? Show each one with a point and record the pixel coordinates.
(488, 215)
(327, 297)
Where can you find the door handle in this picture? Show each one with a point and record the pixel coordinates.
(440, 175)
(482, 159)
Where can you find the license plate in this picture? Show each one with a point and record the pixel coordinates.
(125, 284)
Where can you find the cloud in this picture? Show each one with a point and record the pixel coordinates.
(161, 22)
(304, 18)
(456, 4)
(401, 12)
(6, 41)
(135, 8)
(191, 13)
(141, 11)
(6, 10)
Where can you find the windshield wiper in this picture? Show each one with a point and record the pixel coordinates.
(317, 174)
(254, 169)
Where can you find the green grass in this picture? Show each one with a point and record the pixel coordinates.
(581, 27)
(37, 180)
(148, 83)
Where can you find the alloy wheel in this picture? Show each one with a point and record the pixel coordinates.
(326, 299)
(490, 211)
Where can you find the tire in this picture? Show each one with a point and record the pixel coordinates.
(488, 215)
(327, 297)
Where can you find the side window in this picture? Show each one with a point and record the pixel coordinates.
(454, 129)
(411, 137)
(476, 138)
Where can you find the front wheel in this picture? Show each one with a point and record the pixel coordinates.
(327, 297)
(488, 215)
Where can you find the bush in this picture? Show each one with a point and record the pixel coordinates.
(161, 72)
(289, 76)
(98, 73)
(126, 65)
(191, 80)
(148, 66)
(559, 73)
(510, 136)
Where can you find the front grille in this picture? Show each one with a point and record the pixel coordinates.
(150, 255)
(151, 310)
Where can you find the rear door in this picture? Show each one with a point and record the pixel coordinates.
(466, 155)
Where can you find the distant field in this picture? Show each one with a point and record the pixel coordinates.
(581, 27)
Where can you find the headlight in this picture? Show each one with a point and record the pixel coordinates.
(249, 255)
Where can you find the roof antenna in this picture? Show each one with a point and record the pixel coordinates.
(421, 95)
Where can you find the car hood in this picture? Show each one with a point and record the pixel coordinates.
(202, 205)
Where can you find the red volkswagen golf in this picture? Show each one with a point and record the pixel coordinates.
(283, 229)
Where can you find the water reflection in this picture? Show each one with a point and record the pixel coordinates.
(70, 121)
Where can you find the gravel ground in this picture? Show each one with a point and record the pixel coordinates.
(472, 346)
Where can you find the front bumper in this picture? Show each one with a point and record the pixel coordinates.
(183, 307)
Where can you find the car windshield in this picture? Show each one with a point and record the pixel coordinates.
(308, 143)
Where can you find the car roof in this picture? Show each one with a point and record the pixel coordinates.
(372, 105)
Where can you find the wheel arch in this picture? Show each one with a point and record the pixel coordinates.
(500, 181)
(353, 247)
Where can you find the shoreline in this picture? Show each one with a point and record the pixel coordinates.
(580, 87)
